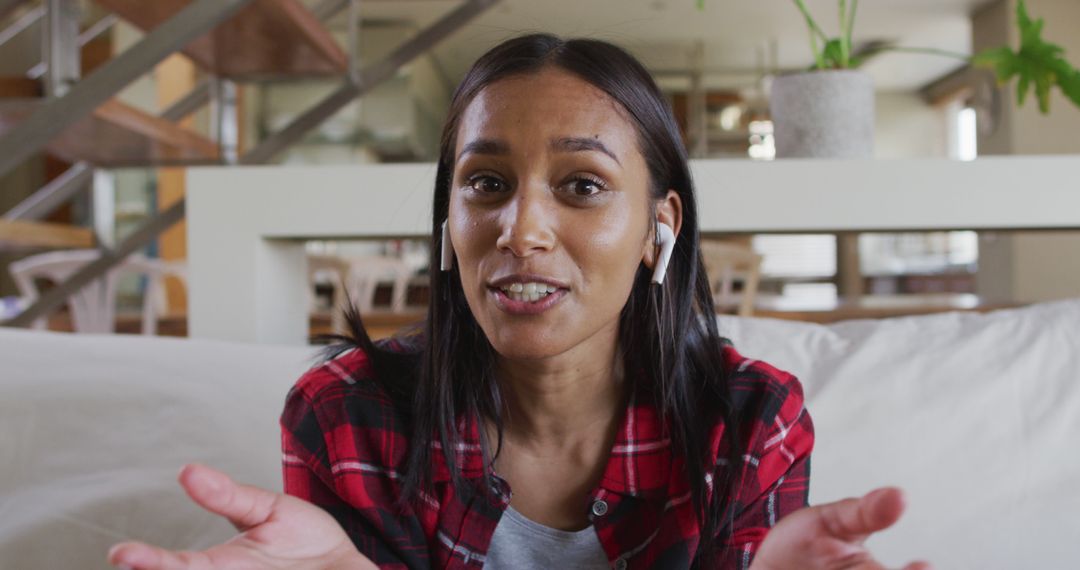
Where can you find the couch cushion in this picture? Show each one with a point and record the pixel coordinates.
(976, 416)
(94, 429)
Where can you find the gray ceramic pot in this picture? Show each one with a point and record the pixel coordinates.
(823, 114)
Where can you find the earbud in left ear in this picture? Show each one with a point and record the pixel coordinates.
(666, 241)
(446, 260)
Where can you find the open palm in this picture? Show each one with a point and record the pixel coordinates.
(831, 536)
(276, 531)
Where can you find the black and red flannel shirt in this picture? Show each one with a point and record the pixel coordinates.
(344, 445)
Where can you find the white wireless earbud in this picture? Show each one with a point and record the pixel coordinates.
(666, 241)
(446, 263)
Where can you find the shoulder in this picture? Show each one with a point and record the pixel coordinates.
(770, 420)
(767, 476)
(340, 409)
(344, 369)
(760, 391)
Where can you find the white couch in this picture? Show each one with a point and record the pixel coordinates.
(976, 416)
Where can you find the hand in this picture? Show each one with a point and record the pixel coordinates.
(832, 535)
(276, 531)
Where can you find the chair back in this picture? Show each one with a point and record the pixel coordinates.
(724, 263)
(333, 270)
(361, 275)
(367, 272)
(93, 307)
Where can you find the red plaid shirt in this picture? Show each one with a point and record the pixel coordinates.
(343, 445)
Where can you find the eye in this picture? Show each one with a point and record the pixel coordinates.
(585, 187)
(487, 184)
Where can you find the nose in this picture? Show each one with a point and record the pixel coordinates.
(527, 223)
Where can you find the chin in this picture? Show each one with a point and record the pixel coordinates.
(517, 353)
(524, 346)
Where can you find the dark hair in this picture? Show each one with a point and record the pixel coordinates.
(667, 333)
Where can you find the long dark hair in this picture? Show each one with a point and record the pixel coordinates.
(667, 333)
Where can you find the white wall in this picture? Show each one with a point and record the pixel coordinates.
(906, 127)
(406, 110)
(1029, 266)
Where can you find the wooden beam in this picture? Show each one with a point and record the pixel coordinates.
(849, 279)
(960, 83)
(19, 234)
(19, 87)
(175, 77)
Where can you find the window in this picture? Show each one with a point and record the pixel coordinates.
(966, 134)
(799, 256)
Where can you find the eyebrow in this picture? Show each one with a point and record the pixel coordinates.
(563, 144)
(582, 144)
(484, 146)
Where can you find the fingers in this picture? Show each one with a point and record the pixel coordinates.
(142, 556)
(244, 506)
(854, 519)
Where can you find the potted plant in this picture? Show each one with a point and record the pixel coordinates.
(828, 110)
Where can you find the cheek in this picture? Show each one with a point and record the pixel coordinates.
(474, 234)
(610, 255)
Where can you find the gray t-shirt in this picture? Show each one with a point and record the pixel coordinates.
(522, 544)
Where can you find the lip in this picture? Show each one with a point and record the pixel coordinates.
(525, 307)
(506, 304)
(527, 278)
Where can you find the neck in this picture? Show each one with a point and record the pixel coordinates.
(558, 403)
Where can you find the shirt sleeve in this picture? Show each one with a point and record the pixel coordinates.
(313, 469)
(304, 461)
(775, 474)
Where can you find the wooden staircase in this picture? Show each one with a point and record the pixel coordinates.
(230, 40)
(117, 135)
(266, 39)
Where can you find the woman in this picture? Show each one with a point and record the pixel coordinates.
(569, 401)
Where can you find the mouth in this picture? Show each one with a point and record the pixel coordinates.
(530, 297)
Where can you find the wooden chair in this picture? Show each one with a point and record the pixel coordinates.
(93, 308)
(368, 271)
(361, 275)
(333, 270)
(724, 263)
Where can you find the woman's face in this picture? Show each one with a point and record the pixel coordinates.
(549, 213)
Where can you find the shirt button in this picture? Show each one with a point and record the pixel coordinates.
(599, 508)
(620, 564)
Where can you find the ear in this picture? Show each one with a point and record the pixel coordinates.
(668, 211)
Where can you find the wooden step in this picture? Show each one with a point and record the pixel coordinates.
(19, 87)
(118, 135)
(267, 38)
(19, 235)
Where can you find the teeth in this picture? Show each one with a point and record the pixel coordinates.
(528, 292)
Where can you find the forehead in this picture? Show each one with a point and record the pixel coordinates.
(548, 104)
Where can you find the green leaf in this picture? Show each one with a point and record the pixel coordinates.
(1043, 83)
(1070, 86)
(1037, 62)
(1021, 89)
(1002, 60)
(833, 53)
(1068, 80)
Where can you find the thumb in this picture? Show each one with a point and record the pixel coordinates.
(855, 519)
(244, 506)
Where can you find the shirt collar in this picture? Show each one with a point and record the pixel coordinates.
(639, 463)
